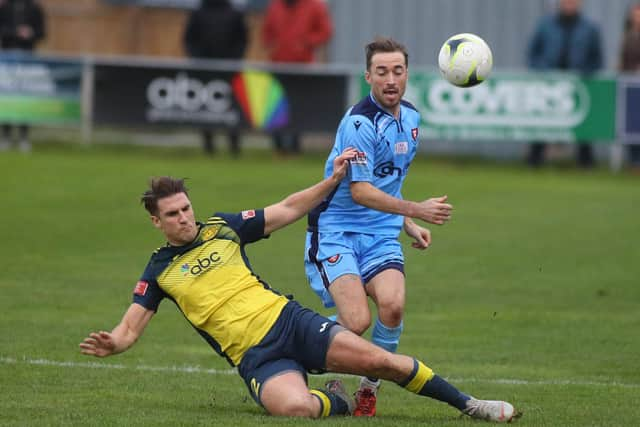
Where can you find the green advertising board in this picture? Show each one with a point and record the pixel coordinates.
(39, 91)
(515, 107)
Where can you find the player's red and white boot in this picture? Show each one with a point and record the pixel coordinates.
(366, 398)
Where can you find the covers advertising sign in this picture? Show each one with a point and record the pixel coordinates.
(518, 107)
(249, 99)
(39, 91)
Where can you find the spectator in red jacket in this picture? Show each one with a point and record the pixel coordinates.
(295, 31)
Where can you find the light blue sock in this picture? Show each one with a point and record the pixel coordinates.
(385, 337)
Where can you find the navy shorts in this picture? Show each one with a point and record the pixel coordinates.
(298, 341)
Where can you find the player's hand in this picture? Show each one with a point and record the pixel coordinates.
(99, 344)
(435, 210)
(341, 163)
(421, 235)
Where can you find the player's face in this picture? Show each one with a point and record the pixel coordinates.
(388, 79)
(176, 220)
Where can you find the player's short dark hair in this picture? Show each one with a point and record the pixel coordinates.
(159, 188)
(385, 44)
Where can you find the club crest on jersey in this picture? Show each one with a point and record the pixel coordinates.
(334, 259)
(414, 133)
(209, 232)
(360, 158)
(248, 214)
(401, 147)
(141, 288)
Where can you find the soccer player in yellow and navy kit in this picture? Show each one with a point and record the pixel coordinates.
(272, 340)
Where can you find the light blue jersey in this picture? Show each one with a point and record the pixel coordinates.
(386, 146)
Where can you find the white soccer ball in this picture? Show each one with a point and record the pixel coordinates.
(465, 60)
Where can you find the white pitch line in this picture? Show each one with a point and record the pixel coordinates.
(199, 370)
(101, 365)
(544, 382)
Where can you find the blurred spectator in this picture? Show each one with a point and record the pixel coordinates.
(565, 40)
(216, 31)
(21, 27)
(295, 31)
(630, 62)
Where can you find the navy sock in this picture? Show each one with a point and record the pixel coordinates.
(330, 403)
(438, 388)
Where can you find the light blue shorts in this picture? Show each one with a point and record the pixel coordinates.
(331, 255)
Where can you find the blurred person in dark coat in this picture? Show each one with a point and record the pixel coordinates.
(216, 30)
(22, 25)
(630, 63)
(565, 41)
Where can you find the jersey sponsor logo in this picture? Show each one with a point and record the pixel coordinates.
(414, 134)
(141, 288)
(386, 169)
(248, 214)
(184, 269)
(201, 264)
(360, 158)
(323, 327)
(401, 147)
(357, 124)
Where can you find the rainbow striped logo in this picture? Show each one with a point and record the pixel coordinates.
(262, 99)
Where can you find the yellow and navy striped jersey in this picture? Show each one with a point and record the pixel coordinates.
(211, 282)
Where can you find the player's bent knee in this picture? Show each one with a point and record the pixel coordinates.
(295, 406)
(391, 313)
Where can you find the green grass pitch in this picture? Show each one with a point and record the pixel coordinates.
(530, 294)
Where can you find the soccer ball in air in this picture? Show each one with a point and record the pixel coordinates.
(465, 60)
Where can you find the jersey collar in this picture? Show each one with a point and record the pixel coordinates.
(384, 110)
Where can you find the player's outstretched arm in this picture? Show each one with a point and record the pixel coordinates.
(435, 210)
(123, 336)
(299, 204)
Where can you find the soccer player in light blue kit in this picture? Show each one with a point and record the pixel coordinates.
(352, 249)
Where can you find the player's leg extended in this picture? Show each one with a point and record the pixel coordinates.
(349, 353)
